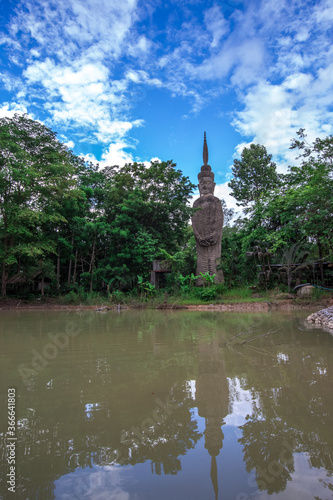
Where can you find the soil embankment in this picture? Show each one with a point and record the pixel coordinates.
(11, 304)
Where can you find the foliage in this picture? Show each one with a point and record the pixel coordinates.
(208, 280)
(187, 282)
(208, 294)
(293, 260)
(37, 174)
(254, 177)
(145, 287)
(262, 255)
(228, 214)
(294, 210)
(96, 228)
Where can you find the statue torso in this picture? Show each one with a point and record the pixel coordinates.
(208, 221)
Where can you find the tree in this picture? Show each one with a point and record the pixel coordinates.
(254, 177)
(293, 260)
(311, 188)
(37, 173)
(147, 210)
(262, 254)
(228, 214)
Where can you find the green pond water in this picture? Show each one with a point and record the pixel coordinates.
(162, 405)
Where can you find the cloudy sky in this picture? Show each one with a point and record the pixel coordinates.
(124, 80)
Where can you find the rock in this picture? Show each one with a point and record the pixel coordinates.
(323, 319)
(304, 290)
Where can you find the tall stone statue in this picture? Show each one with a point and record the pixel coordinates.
(207, 223)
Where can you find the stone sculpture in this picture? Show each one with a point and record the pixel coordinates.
(207, 223)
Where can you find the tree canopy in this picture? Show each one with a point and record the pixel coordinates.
(288, 209)
(63, 218)
(254, 176)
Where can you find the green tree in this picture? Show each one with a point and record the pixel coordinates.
(311, 187)
(147, 210)
(254, 177)
(228, 214)
(37, 173)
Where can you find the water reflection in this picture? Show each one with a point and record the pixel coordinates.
(212, 400)
(114, 415)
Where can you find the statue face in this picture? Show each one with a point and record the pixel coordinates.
(206, 186)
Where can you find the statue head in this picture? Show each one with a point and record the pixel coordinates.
(206, 176)
(206, 183)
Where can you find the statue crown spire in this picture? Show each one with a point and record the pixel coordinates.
(206, 170)
(205, 151)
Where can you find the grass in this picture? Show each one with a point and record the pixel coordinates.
(217, 294)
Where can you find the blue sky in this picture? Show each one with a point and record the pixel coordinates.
(132, 80)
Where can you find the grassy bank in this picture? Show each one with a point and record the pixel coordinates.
(195, 297)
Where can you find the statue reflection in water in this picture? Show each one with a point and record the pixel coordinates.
(212, 398)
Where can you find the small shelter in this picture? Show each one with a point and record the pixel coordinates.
(157, 275)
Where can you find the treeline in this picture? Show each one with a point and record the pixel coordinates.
(287, 227)
(66, 223)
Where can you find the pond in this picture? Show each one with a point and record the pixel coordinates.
(146, 405)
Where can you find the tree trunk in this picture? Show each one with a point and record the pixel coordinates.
(70, 266)
(75, 264)
(58, 270)
(4, 270)
(4, 280)
(42, 286)
(321, 267)
(289, 278)
(69, 271)
(91, 267)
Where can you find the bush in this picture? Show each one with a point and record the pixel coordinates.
(208, 294)
(117, 296)
(71, 298)
(221, 288)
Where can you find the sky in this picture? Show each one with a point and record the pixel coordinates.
(135, 80)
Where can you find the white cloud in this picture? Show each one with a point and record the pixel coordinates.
(8, 110)
(115, 155)
(216, 24)
(87, 63)
(69, 65)
(141, 48)
(83, 97)
(153, 160)
(273, 113)
(324, 12)
(115, 129)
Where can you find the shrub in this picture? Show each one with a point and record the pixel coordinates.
(208, 294)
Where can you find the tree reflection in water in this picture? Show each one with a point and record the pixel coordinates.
(100, 402)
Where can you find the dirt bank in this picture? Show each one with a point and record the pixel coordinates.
(53, 304)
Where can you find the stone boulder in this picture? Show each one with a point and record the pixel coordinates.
(322, 319)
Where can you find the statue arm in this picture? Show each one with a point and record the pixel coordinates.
(197, 226)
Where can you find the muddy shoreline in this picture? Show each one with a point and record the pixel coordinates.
(290, 304)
